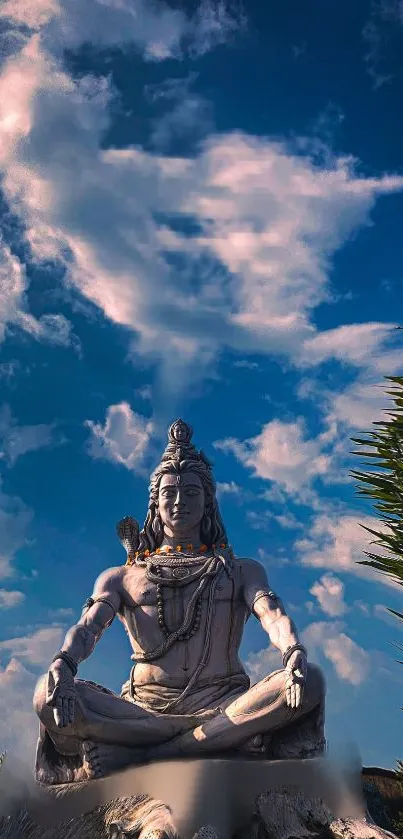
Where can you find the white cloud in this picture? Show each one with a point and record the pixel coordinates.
(338, 542)
(228, 488)
(124, 438)
(350, 661)
(268, 216)
(215, 22)
(54, 328)
(329, 592)
(8, 369)
(16, 440)
(280, 453)
(12, 286)
(187, 114)
(15, 518)
(362, 606)
(18, 722)
(260, 664)
(22, 656)
(34, 15)
(61, 614)
(156, 29)
(37, 649)
(357, 406)
(9, 599)
(354, 343)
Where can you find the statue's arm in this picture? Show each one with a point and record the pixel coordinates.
(267, 606)
(99, 613)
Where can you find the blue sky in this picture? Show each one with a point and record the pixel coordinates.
(201, 217)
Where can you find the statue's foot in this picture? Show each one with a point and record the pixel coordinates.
(101, 759)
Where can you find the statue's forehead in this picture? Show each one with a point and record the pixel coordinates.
(182, 479)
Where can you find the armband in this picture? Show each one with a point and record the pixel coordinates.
(108, 603)
(92, 600)
(87, 605)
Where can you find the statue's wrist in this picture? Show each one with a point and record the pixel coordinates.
(291, 650)
(67, 659)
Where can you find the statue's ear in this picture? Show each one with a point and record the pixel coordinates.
(157, 526)
(205, 527)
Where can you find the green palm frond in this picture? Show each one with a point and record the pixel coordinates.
(383, 484)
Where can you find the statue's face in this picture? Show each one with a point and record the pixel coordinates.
(180, 432)
(181, 503)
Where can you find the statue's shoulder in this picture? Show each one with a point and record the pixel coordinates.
(110, 580)
(251, 569)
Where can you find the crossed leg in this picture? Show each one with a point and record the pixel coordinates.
(259, 710)
(110, 732)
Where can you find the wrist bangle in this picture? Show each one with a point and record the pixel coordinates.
(68, 660)
(288, 653)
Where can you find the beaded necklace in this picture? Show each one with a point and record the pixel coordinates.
(182, 575)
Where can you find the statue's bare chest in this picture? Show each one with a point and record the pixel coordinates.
(150, 609)
(141, 593)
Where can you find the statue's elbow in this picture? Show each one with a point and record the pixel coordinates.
(40, 694)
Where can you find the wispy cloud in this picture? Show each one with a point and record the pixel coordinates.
(36, 649)
(383, 38)
(186, 115)
(124, 438)
(16, 440)
(337, 542)
(228, 488)
(158, 31)
(350, 661)
(280, 453)
(329, 592)
(21, 658)
(10, 599)
(18, 725)
(267, 216)
(260, 664)
(15, 518)
(53, 328)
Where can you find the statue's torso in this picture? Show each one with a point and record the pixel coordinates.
(174, 668)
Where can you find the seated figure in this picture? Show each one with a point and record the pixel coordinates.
(183, 598)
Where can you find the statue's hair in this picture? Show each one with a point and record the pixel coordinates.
(212, 531)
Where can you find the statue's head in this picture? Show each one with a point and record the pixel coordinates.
(182, 494)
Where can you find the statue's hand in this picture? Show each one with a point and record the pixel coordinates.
(296, 671)
(61, 693)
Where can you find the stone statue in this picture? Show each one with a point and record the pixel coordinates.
(183, 598)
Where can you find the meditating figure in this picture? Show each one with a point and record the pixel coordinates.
(183, 598)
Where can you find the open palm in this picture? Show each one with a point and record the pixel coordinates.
(296, 671)
(61, 694)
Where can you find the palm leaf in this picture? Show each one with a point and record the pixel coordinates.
(382, 449)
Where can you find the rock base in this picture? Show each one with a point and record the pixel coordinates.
(279, 814)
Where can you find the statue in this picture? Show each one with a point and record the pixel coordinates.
(183, 598)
